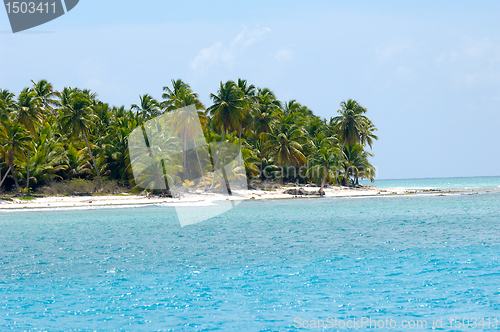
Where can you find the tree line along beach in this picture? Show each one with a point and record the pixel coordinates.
(68, 142)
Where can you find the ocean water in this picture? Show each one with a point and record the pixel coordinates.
(484, 182)
(286, 265)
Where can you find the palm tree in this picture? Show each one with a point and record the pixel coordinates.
(148, 107)
(78, 118)
(316, 125)
(352, 126)
(228, 111)
(187, 127)
(266, 112)
(286, 144)
(49, 157)
(181, 95)
(250, 99)
(46, 92)
(293, 107)
(323, 161)
(264, 117)
(77, 162)
(66, 95)
(6, 107)
(29, 111)
(178, 97)
(6, 104)
(357, 164)
(367, 135)
(16, 141)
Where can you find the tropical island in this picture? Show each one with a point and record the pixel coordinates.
(70, 142)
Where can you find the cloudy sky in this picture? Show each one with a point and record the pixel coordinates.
(428, 71)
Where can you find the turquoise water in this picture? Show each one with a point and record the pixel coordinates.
(442, 183)
(263, 266)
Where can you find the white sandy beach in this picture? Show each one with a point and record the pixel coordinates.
(124, 199)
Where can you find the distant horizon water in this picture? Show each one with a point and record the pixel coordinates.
(479, 182)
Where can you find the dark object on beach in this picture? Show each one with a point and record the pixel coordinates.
(301, 192)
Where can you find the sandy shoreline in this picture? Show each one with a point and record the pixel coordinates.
(125, 199)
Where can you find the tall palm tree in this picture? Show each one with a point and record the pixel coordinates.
(46, 92)
(294, 107)
(323, 162)
(148, 107)
(49, 156)
(368, 135)
(265, 113)
(78, 117)
(6, 104)
(357, 165)
(15, 142)
(187, 127)
(228, 111)
(6, 107)
(78, 164)
(285, 144)
(352, 126)
(181, 95)
(66, 94)
(29, 111)
(250, 102)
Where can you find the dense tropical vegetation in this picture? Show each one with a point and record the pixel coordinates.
(48, 136)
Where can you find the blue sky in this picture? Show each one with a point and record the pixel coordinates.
(428, 71)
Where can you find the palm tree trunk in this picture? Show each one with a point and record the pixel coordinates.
(217, 160)
(240, 156)
(321, 191)
(6, 173)
(15, 181)
(93, 160)
(199, 163)
(159, 181)
(226, 182)
(261, 170)
(11, 166)
(346, 178)
(185, 152)
(341, 154)
(28, 172)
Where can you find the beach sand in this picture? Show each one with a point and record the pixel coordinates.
(126, 199)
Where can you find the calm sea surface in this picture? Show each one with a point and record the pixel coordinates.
(442, 183)
(263, 266)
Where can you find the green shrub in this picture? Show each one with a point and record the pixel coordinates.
(26, 198)
(80, 187)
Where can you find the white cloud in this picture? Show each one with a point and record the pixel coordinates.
(219, 53)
